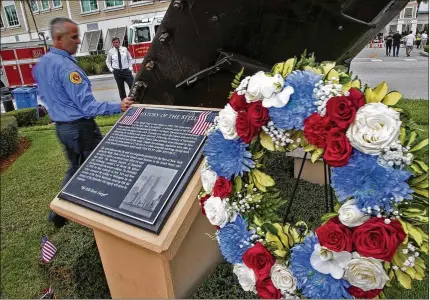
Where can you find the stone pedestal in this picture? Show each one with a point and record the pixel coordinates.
(312, 172)
(140, 264)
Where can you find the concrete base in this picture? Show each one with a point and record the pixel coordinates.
(312, 172)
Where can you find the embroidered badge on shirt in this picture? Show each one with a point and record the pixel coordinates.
(75, 78)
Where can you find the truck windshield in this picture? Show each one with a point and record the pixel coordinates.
(142, 35)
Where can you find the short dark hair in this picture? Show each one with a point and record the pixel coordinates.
(410, 31)
(115, 39)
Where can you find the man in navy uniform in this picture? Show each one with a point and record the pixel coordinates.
(66, 91)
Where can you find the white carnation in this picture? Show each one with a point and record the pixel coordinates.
(218, 211)
(208, 178)
(282, 278)
(262, 86)
(376, 126)
(279, 99)
(227, 122)
(246, 277)
(350, 215)
(366, 273)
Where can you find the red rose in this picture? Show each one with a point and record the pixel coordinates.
(316, 129)
(267, 290)
(259, 260)
(342, 109)
(338, 149)
(244, 127)
(376, 239)
(360, 294)
(257, 114)
(222, 187)
(202, 203)
(335, 236)
(238, 102)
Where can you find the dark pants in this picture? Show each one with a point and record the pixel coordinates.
(388, 49)
(120, 77)
(396, 49)
(79, 140)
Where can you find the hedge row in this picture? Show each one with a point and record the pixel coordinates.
(9, 136)
(93, 64)
(25, 116)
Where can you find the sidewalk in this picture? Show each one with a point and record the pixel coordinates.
(100, 77)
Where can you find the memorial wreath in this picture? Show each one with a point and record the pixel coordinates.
(372, 239)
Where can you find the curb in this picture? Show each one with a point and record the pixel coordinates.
(100, 77)
(424, 53)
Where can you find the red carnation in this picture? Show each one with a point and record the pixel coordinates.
(202, 203)
(338, 149)
(266, 289)
(335, 236)
(379, 240)
(238, 102)
(222, 187)
(360, 294)
(342, 109)
(259, 260)
(316, 129)
(244, 127)
(257, 114)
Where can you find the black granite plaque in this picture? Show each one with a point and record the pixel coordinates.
(140, 169)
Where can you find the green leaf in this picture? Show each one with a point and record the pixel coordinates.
(412, 138)
(266, 141)
(421, 145)
(419, 272)
(418, 179)
(404, 279)
(328, 216)
(257, 221)
(419, 262)
(262, 178)
(422, 164)
(281, 235)
(416, 168)
(260, 186)
(415, 234)
(411, 272)
(288, 66)
(258, 155)
(332, 74)
(424, 193)
(280, 253)
(402, 136)
(270, 228)
(392, 98)
(316, 154)
(309, 148)
(380, 91)
(327, 66)
(274, 241)
(277, 69)
(423, 185)
(238, 184)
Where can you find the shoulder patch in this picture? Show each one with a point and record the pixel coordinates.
(75, 77)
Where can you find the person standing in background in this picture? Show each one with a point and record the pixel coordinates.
(119, 62)
(66, 91)
(424, 38)
(418, 40)
(388, 44)
(397, 37)
(409, 42)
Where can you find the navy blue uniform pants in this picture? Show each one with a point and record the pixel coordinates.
(79, 139)
(122, 76)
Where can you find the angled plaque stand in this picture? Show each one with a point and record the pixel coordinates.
(139, 263)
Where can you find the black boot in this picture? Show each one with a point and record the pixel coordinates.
(58, 220)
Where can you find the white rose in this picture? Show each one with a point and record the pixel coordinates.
(329, 262)
(208, 178)
(279, 99)
(350, 215)
(246, 277)
(227, 122)
(376, 126)
(218, 211)
(262, 86)
(282, 278)
(366, 273)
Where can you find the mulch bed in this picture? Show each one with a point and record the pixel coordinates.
(6, 162)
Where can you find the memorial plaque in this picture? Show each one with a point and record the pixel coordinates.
(140, 169)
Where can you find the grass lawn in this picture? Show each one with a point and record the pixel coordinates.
(30, 184)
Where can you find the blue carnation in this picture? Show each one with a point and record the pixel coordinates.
(314, 285)
(234, 239)
(227, 157)
(301, 104)
(370, 184)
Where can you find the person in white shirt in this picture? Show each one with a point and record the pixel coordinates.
(119, 63)
(424, 38)
(409, 41)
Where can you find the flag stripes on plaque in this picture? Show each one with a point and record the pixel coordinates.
(130, 119)
(204, 120)
(48, 250)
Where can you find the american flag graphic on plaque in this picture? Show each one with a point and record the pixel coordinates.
(128, 119)
(204, 120)
(48, 250)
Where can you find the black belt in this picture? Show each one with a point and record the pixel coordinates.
(121, 69)
(74, 121)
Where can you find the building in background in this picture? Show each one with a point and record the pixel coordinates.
(99, 20)
(413, 18)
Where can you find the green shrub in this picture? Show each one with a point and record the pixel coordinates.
(93, 64)
(99, 68)
(45, 120)
(426, 48)
(9, 135)
(25, 116)
(87, 67)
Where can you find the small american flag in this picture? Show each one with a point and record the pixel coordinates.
(48, 250)
(203, 122)
(130, 119)
(48, 294)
